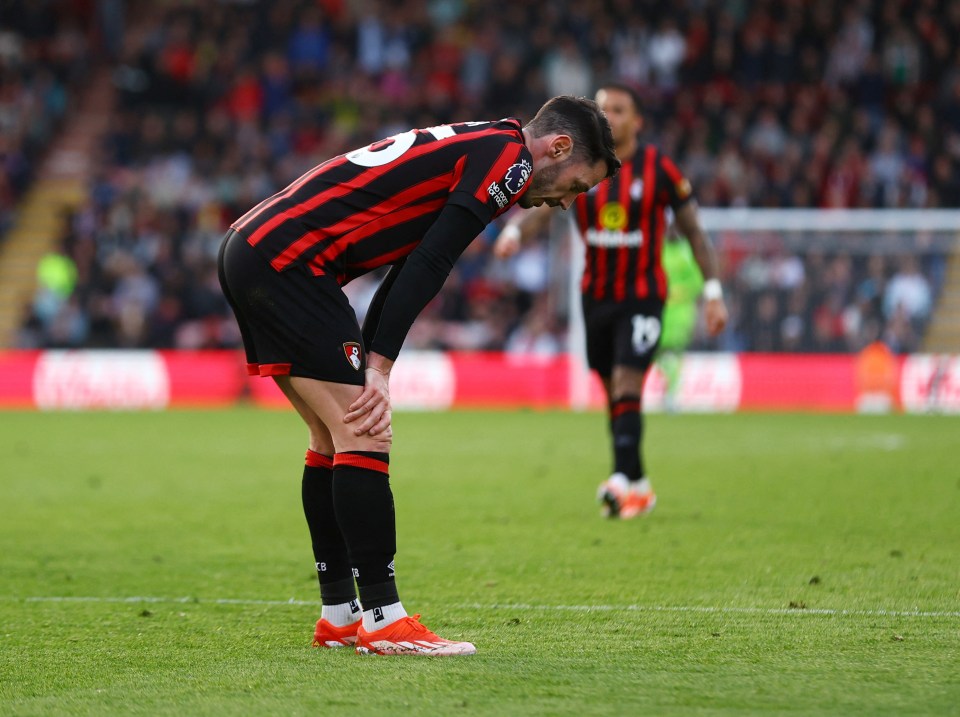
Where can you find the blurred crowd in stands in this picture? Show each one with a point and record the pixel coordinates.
(44, 59)
(220, 103)
(838, 302)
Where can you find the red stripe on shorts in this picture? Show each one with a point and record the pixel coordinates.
(275, 369)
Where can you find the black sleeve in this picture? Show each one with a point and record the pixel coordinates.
(420, 278)
(372, 319)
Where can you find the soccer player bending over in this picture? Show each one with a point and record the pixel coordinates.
(624, 286)
(414, 202)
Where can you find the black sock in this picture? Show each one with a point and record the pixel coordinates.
(626, 427)
(329, 546)
(364, 505)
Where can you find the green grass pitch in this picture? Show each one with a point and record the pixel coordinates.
(158, 564)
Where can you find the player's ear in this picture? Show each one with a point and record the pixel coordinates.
(560, 147)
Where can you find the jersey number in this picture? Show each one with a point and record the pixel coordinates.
(386, 150)
(646, 332)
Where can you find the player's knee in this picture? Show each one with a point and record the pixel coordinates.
(627, 380)
(322, 444)
(320, 438)
(383, 442)
(377, 444)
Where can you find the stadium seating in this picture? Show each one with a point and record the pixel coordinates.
(762, 104)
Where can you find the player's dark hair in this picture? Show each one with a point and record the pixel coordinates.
(627, 89)
(587, 126)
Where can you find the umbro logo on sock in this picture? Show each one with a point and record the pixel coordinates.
(378, 614)
(391, 569)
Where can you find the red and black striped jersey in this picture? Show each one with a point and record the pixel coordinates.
(372, 206)
(621, 221)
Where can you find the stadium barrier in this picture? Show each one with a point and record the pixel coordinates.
(710, 382)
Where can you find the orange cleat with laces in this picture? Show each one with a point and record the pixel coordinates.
(407, 636)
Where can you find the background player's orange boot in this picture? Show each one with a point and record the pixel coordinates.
(639, 500)
(611, 494)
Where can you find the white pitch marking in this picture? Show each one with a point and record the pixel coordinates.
(513, 606)
(714, 609)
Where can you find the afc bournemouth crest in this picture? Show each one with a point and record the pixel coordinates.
(352, 350)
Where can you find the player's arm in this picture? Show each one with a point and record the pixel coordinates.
(522, 224)
(372, 319)
(404, 293)
(715, 310)
(420, 278)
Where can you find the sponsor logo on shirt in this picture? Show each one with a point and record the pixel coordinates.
(613, 216)
(608, 238)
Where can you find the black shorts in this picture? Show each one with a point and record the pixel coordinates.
(622, 333)
(292, 322)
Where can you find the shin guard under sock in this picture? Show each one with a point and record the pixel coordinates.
(626, 427)
(329, 546)
(364, 506)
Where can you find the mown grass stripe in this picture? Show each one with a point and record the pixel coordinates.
(515, 606)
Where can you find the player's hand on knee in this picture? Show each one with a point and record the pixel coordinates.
(376, 423)
(371, 410)
(383, 428)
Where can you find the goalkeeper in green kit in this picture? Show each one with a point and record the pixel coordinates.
(684, 283)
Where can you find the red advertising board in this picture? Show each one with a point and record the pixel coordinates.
(152, 380)
(785, 382)
(16, 378)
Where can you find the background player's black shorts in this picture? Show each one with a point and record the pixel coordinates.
(622, 333)
(292, 322)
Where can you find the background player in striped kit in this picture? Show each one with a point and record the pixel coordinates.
(413, 201)
(624, 285)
